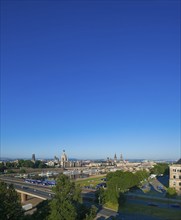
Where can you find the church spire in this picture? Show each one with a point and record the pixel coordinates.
(115, 158)
(121, 158)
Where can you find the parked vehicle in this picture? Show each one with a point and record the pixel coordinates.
(44, 183)
(101, 185)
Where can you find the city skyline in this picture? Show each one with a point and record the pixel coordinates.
(93, 77)
(70, 158)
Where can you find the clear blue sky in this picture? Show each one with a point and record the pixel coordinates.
(91, 77)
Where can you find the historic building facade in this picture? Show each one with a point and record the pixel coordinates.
(175, 176)
(65, 163)
(63, 159)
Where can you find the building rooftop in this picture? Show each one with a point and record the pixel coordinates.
(179, 161)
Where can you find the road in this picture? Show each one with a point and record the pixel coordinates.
(40, 190)
(153, 203)
(104, 214)
(159, 199)
(20, 181)
(32, 191)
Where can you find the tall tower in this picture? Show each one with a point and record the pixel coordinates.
(33, 158)
(121, 158)
(56, 160)
(115, 158)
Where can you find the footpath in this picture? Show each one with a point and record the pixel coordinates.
(168, 200)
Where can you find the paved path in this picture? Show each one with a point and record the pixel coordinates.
(136, 195)
(153, 203)
(107, 214)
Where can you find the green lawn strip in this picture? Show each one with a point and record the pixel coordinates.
(111, 206)
(150, 192)
(146, 190)
(92, 177)
(92, 181)
(173, 214)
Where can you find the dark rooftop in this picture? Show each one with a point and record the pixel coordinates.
(179, 161)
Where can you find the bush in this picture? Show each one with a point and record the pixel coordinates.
(171, 192)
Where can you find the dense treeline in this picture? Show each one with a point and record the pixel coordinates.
(160, 168)
(10, 206)
(29, 163)
(22, 163)
(118, 183)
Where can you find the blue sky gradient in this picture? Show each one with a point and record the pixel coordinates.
(91, 77)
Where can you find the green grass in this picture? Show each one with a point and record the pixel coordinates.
(111, 206)
(162, 213)
(91, 181)
(173, 214)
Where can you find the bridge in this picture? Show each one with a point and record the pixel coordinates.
(24, 192)
(25, 189)
(37, 191)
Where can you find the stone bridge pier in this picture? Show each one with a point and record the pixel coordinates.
(23, 197)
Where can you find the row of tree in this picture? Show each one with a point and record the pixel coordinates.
(22, 163)
(160, 168)
(118, 183)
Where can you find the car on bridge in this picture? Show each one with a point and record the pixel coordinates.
(24, 187)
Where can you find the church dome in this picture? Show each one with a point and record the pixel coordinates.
(64, 157)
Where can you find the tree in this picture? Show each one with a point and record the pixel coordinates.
(118, 183)
(2, 167)
(42, 165)
(10, 206)
(67, 202)
(160, 168)
(171, 192)
(92, 213)
(85, 213)
(25, 163)
(122, 199)
(10, 165)
(67, 197)
(22, 171)
(121, 181)
(10, 171)
(142, 175)
(101, 196)
(42, 211)
(112, 192)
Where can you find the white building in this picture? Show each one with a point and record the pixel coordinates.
(63, 159)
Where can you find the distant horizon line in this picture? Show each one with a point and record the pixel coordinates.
(73, 158)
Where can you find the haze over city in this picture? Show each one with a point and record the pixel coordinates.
(92, 77)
